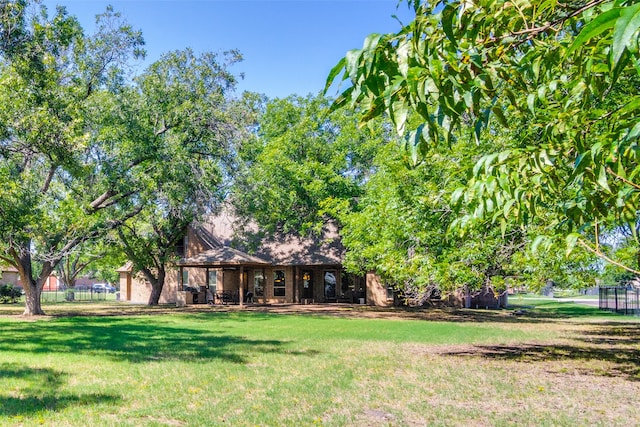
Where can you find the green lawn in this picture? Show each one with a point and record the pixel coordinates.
(553, 364)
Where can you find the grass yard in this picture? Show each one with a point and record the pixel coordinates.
(114, 364)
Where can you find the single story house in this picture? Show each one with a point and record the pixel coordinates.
(9, 275)
(255, 267)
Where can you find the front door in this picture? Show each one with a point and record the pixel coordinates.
(307, 284)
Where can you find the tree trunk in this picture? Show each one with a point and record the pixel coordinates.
(32, 306)
(32, 288)
(157, 283)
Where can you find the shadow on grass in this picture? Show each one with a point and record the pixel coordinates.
(538, 312)
(625, 361)
(613, 333)
(38, 390)
(137, 340)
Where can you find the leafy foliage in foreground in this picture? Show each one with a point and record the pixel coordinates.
(400, 230)
(567, 69)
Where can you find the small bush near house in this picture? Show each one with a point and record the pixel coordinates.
(10, 293)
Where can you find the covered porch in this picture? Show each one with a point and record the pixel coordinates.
(218, 276)
(228, 276)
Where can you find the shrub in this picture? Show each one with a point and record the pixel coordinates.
(9, 293)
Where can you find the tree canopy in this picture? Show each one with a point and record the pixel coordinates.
(303, 164)
(561, 76)
(180, 109)
(57, 190)
(85, 148)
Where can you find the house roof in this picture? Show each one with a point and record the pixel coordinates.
(8, 269)
(278, 248)
(126, 268)
(222, 256)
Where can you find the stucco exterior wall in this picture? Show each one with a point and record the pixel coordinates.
(10, 278)
(377, 291)
(125, 291)
(141, 288)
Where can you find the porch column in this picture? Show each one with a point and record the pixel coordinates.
(241, 290)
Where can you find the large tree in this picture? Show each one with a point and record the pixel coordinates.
(96, 258)
(57, 192)
(303, 165)
(565, 71)
(399, 230)
(181, 107)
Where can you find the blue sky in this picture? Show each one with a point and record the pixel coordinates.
(289, 46)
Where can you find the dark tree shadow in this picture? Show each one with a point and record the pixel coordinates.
(120, 338)
(612, 334)
(40, 391)
(625, 360)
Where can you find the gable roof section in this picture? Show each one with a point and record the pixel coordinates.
(206, 237)
(279, 248)
(222, 256)
(126, 268)
(8, 269)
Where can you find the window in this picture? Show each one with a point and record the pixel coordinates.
(390, 293)
(258, 283)
(347, 285)
(181, 246)
(330, 284)
(212, 280)
(278, 283)
(184, 280)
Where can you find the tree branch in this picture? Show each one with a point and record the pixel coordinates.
(533, 32)
(47, 182)
(9, 261)
(626, 181)
(101, 199)
(602, 255)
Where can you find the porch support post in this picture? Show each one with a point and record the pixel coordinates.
(241, 293)
(296, 285)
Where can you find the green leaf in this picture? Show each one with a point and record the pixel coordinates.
(457, 194)
(539, 240)
(572, 241)
(633, 133)
(341, 100)
(626, 27)
(631, 107)
(371, 41)
(507, 207)
(334, 73)
(531, 103)
(602, 178)
(402, 56)
(447, 24)
(352, 59)
(414, 140)
(602, 23)
(497, 111)
(399, 111)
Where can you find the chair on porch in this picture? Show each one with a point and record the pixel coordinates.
(224, 297)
